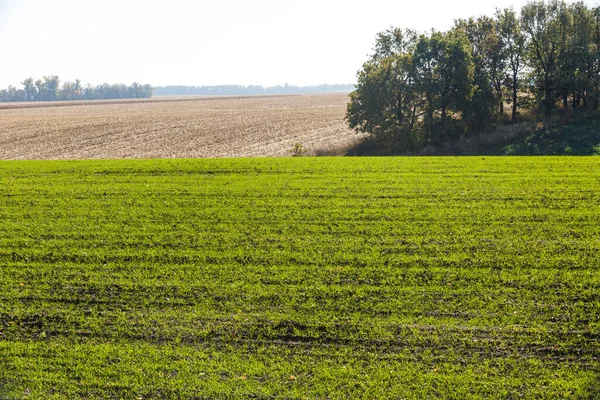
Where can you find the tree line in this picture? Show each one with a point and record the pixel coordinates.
(49, 88)
(430, 88)
(228, 90)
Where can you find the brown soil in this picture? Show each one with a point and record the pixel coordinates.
(176, 128)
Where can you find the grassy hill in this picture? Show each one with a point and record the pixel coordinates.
(301, 278)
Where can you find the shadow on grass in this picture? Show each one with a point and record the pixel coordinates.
(368, 146)
(6, 382)
(3, 388)
(577, 139)
(581, 139)
(592, 392)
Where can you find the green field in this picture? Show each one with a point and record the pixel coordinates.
(301, 278)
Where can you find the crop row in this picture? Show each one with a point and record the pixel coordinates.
(319, 278)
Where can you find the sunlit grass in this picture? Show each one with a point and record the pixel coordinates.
(300, 278)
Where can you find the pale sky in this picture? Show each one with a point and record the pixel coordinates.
(169, 42)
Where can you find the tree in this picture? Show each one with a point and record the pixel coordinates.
(52, 86)
(444, 75)
(413, 91)
(29, 89)
(438, 86)
(393, 41)
(489, 57)
(385, 102)
(41, 90)
(545, 27)
(69, 91)
(510, 30)
(49, 89)
(582, 58)
(77, 88)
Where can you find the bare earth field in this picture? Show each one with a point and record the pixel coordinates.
(176, 128)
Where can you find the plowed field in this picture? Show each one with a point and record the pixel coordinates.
(175, 128)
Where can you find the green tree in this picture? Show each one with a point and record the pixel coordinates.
(41, 91)
(385, 102)
(582, 58)
(69, 91)
(510, 30)
(393, 41)
(30, 89)
(52, 86)
(565, 73)
(438, 86)
(443, 68)
(77, 88)
(545, 27)
(489, 57)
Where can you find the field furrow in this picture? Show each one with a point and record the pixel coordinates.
(176, 128)
(295, 278)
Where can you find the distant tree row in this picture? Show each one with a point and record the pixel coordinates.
(49, 89)
(229, 90)
(419, 89)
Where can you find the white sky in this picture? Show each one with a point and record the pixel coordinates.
(168, 42)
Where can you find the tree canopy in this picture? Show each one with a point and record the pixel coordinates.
(420, 89)
(49, 88)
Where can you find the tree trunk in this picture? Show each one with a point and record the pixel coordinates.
(399, 114)
(548, 105)
(443, 135)
(430, 114)
(413, 118)
(514, 103)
